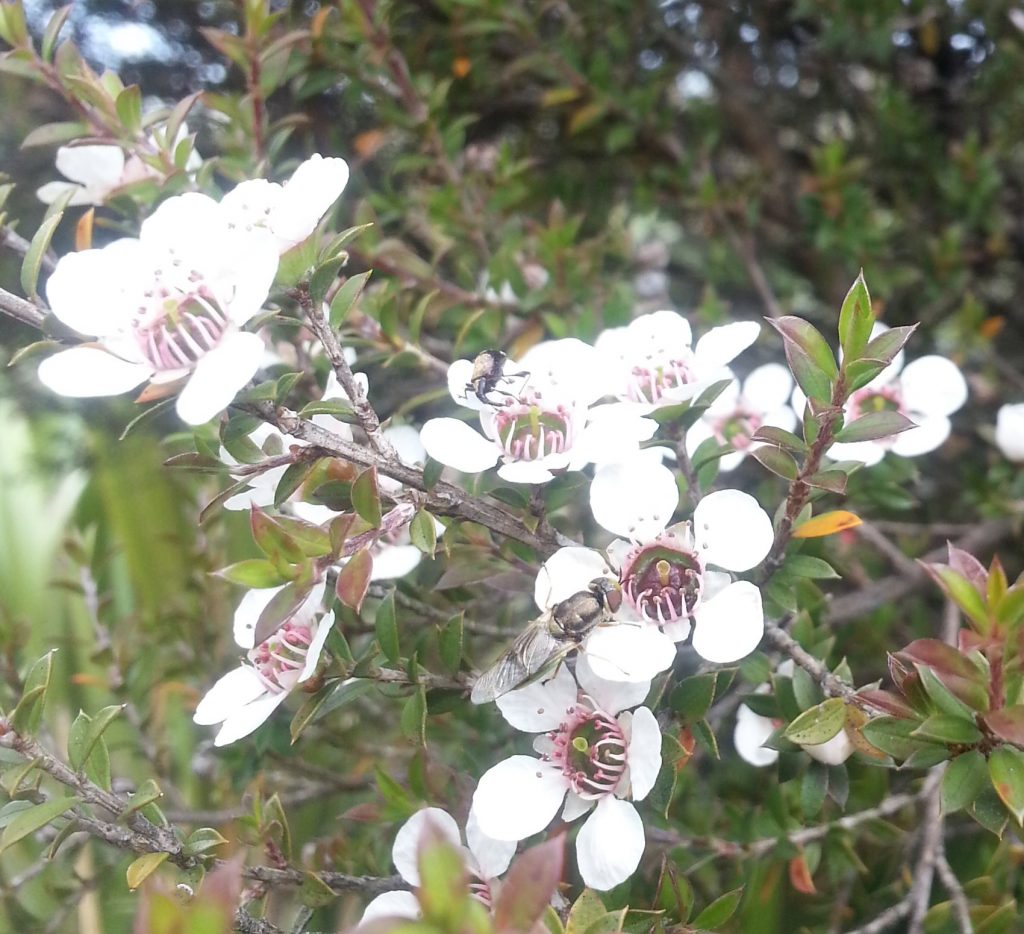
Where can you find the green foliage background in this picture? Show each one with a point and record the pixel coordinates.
(725, 159)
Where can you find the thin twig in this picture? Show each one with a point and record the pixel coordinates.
(961, 908)
(21, 310)
(830, 683)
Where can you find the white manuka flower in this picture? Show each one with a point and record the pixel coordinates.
(927, 391)
(538, 423)
(99, 171)
(290, 211)
(166, 307)
(650, 363)
(595, 755)
(1010, 431)
(763, 399)
(245, 698)
(752, 731)
(665, 570)
(485, 859)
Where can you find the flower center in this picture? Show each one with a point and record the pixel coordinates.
(590, 748)
(280, 658)
(176, 328)
(736, 429)
(663, 583)
(652, 382)
(529, 430)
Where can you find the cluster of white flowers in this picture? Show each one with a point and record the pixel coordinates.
(169, 306)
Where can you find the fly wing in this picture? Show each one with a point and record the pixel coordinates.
(532, 649)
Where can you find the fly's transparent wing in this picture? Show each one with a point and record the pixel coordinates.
(533, 648)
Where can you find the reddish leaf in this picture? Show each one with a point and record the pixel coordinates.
(529, 885)
(969, 566)
(281, 608)
(800, 876)
(354, 579)
(886, 702)
(1007, 723)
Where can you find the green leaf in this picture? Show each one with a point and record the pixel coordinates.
(273, 539)
(36, 252)
(813, 789)
(386, 627)
(142, 868)
(336, 695)
(27, 715)
(129, 108)
(693, 696)
(800, 333)
(314, 892)
(346, 297)
(413, 721)
(855, 319)
(586, 910)
(1006, 771)
(780, 438)
(819, 724)
(253, 572)
(776, 460)
(719, 911)
(203, 839)
(423, 532)
(27, 822)
(50, 133)
(335, 408)
(810, 567)
(147, 793)
(366, 497)
(450, 644)
(948, 729)
(812, 380)
(873, 426)
(963, 781)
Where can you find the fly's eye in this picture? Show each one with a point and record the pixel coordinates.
(613, 600)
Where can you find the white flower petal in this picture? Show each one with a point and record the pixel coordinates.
(518, 797)
(83, 372)
(456, 444)
(314, 186)
(92, 166)
(568, 571)
(492, 856)
(644, 754)
(834, 751)
(732, 530)
(391, 905)
(610, 844)
(393, 561)
(868, 452)
(405, 852)
(245, 720)
(729, 626)
(219, 376)
(933, 385)
(629, 651)
(634, 499)
(1010, 431)
(768, 387)
(722, 345)
(660, 330)
(611, 696)
(80, 195)
(930, 433)
(540, 706)
(237, 688)
(566, 367)
(525, 472)
(316, 647)
(247, 614)
(613, 433)
(575, 807)
(749, 735)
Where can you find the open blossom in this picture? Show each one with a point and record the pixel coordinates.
(761, 400)
(290, 212)
(244, 698)
(667, 571)
(96, 172)
(539, 423)
(650, 362)
(166, 307)
(485, 859)
(595, 757)
(1010, 431)
(927, 391)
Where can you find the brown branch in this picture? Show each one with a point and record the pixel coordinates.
(443, 498)
(21, 310)
(830, 683)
